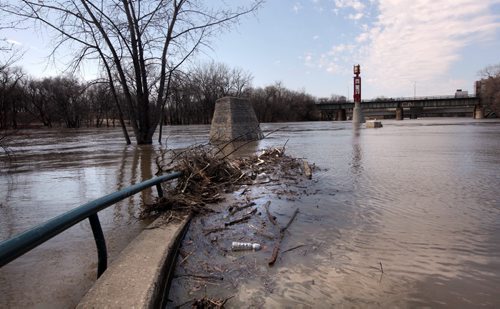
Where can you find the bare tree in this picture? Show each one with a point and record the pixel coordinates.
(139, 43)
(489, 88)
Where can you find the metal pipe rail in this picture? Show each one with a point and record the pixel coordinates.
(26, 241)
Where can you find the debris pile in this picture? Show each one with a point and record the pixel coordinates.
(211, 259)
(207, 173)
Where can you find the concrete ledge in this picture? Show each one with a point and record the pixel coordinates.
(374, 124)
(139, 276)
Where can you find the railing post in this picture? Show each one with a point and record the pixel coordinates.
(100, 242)
(160, 190)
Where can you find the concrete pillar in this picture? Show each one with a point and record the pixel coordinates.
(357, 114)
(478, 112)
(341, 115)
(399, 113)
(234, 120)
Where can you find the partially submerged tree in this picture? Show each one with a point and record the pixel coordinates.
(138, 43)
(489, 88)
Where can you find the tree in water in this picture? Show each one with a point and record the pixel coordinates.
(489, 88)
(138, 43)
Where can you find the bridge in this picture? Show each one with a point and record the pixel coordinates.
(399, 108)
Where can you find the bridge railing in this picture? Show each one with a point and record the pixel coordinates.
(442, 97)
(398, 99)
(18, 245)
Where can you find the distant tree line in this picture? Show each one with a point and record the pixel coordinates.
(138, 45)
(69, 102)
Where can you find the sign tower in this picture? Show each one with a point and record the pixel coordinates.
(357, 115)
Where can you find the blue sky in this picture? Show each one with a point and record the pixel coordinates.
(433, 46)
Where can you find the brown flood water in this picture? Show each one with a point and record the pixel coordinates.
(420, 197)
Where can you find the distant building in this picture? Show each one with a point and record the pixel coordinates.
(461, 93)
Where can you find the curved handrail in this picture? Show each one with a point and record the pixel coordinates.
(20, 244)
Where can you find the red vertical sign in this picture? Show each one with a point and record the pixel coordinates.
(357, 83)
(357, 89)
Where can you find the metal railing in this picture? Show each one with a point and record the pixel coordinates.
(397, 99)
(26, 241)
(423, 98)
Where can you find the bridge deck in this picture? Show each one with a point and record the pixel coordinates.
(470, 101)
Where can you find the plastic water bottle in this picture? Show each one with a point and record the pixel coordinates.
(237, 246)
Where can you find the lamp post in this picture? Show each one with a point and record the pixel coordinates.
(357, 115)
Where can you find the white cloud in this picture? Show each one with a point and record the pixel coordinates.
(297, 7)
(308, 58)
(419, 40)
(353, 4)
(355, 8)
(316, 37)
(356, 16)
(341, 48)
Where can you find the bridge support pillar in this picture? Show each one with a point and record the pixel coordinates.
(357, 114)
(399, 113)
(478, 112)
(341, 115)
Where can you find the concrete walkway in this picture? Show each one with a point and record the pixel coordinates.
(138, 277)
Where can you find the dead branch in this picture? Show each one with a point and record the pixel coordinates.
(280, 239)
(200, 277)
(234, 210)
(242, 219)
(293, 248)
(271, 218)
(214, 230)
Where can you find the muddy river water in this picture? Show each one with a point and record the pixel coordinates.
(418, 197)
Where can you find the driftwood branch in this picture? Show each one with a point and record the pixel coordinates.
(280, 239)
(271, 218)
(242, 219)
(214, 230)
(234, 210)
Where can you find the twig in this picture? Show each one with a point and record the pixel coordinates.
(244, 190)
(381, 268)
(245, 218)
(225, 301)
(293, 248)
(252, 212)
(276, 249)
(192, 175)
(285, 144)
(186, 257)
(214, 230)
(271, 218)
(236, 209)
(291, 219)
(200, 276)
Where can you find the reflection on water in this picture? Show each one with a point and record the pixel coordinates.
(419, 197)
(357, 168)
